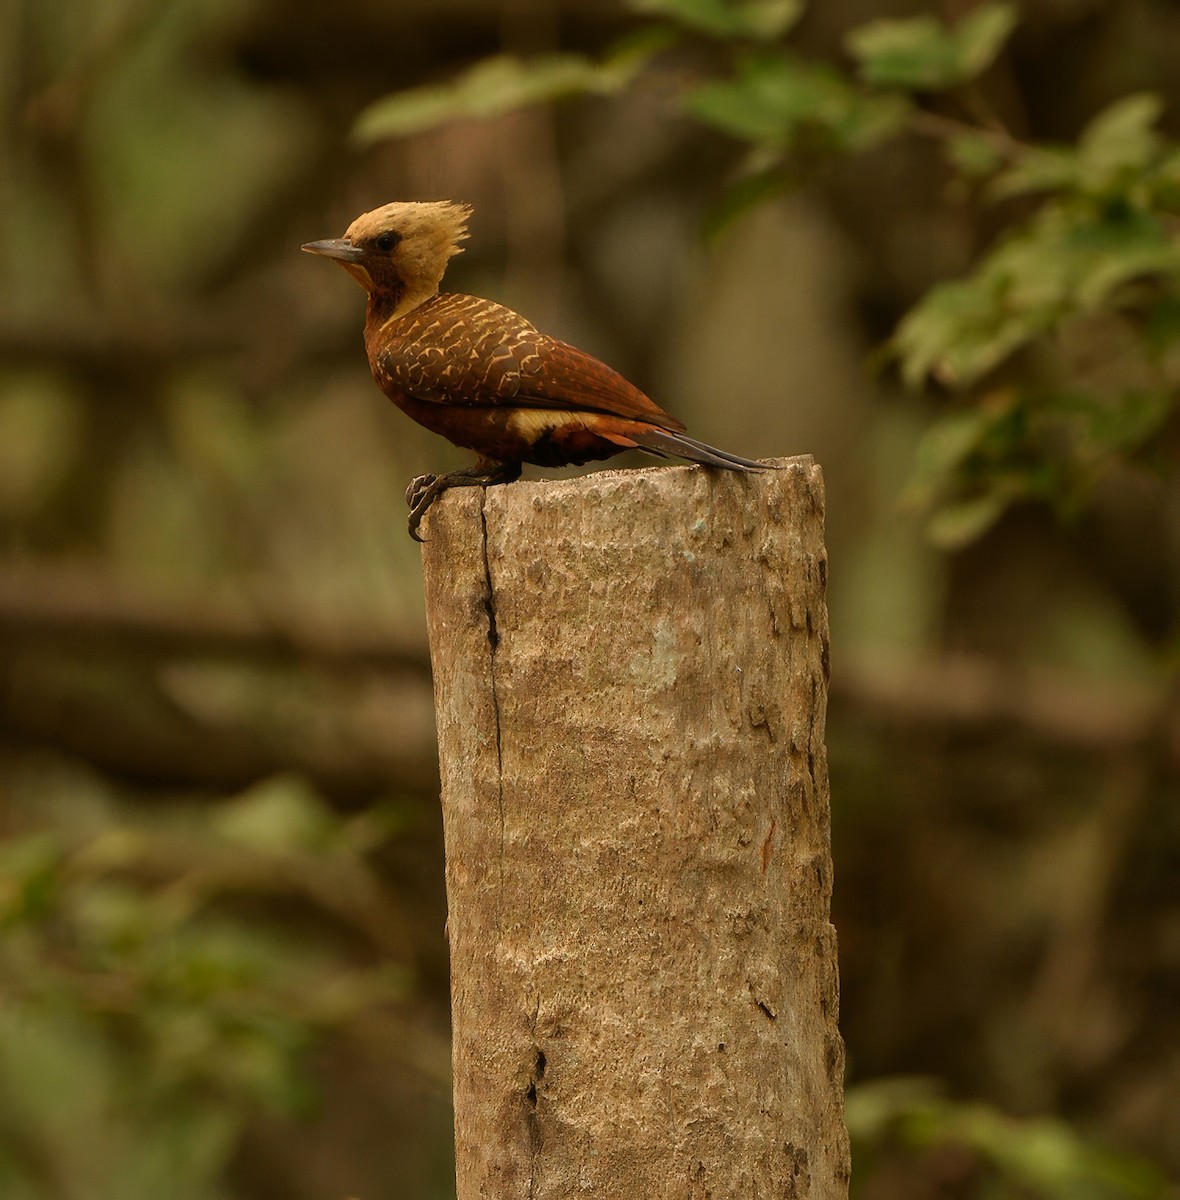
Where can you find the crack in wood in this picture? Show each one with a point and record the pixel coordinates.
(489, 605)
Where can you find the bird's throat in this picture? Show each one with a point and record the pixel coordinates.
(383, 303)
(388, 305)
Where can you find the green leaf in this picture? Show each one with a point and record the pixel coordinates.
(913, 53)
(959, 331)
(945, 446)
(1118, 152)
(761, 20)
(869, 120)
(1043, 1154)
(1120, 140)
(1165, 180)
(924, 54)
(961, 522)
(966, 455)
(980, 36)
(1121, 423)
(751, 191)
(772, 99)
(872, 1108)
(278, 815)
(1037, 169)
(974, 463)
(1113, 252)
(495, 86)
(768, 99)
(1066, 260)
(973, 153)
(1162, 325)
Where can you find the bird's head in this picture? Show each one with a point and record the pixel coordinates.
(401, 249)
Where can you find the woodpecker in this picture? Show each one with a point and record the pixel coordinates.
(479, 373)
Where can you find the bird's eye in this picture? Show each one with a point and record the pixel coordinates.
(386, 241)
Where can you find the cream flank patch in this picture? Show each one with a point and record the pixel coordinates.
(533, 423)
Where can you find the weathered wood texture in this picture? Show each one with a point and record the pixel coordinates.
(630, 675)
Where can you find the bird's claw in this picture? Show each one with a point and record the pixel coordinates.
(420, 495)
(418, 485)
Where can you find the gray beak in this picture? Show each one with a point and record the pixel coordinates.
(340, 248)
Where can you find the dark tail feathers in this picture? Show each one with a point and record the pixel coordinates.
(664, 442)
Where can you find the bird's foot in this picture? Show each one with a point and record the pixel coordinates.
(418, 485)
(426, 489)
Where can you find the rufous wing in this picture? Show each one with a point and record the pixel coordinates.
(463, 350)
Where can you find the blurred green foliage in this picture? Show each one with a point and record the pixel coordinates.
(499, 85)
(925, 54)
(777, 101)
(758, 20)
(1012, 1158)
(155, 993)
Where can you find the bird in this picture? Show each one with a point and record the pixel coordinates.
(482, 375)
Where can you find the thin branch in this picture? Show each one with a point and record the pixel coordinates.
(943, 128)
(75, 606)
(974, 694)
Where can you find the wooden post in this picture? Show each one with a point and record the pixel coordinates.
(630, 681)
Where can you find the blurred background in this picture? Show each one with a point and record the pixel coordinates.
(932, 244)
